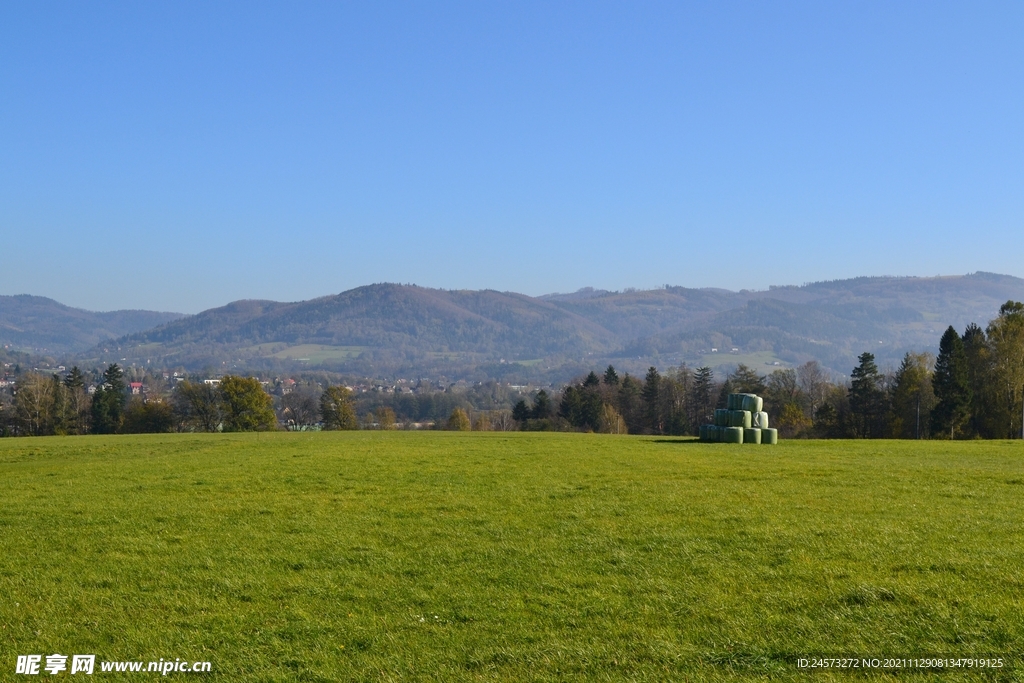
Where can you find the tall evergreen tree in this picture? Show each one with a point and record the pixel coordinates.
(867, 401)
(74, 379)
(521, 412)
(108, 402)
(984, 412)
(630, 404)
(951, 383)
(745, 380)
(723, 394)
(651, 395)
(542, 408)
(611, 378)
(701, 395)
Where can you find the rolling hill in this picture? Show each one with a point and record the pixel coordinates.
(41, 325)
(389, 329)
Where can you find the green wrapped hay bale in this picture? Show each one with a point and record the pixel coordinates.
(752, 435)
(721, 417)
(703, 433)
(734, 402)
(770, 436)
(733, 435)
(740, 418)
(752, 402)
(761, 420)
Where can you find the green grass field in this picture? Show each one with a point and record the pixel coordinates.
(445, 556)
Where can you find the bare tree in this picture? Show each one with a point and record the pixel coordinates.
(196, 407)
(33, 404)
(301, 407)
(814, 383)
(502, 421)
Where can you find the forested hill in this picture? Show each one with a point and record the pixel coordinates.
(41, 325)
(408, 330)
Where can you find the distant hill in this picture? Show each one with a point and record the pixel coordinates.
(41, 325)
(389, 329)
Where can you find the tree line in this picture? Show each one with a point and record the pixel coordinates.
(973, 388)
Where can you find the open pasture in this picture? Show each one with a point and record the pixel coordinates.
(508, 556)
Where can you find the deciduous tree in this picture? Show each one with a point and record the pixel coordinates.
(196, 407)
(912, 398)
(458, 421)
(336, 409)
(246, 406)
(1006, 335)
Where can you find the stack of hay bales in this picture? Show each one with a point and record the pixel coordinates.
(743, 421)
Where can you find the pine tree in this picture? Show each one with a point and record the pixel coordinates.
(542, 408)
(866, 398)
(984, 414)
(611, 378)
(74, 380)
(951, 384)
(746, 381)
(651, 395)
(630, 404)
(108, 402)
(521, 412)
(700, 395)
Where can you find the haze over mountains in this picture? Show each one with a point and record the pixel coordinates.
(405, 330)
(41, 325)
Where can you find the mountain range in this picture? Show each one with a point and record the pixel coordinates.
(406, 330)
(41, 325)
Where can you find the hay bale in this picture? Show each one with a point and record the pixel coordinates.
(770, 436)
(733, 435)
(752, 435)
(722, 417)
(734, 402)
(752, 402)
(761, 420)
(739, 418)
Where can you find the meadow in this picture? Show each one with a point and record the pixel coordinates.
(404, 556)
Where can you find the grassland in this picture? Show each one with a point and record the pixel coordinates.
(442, 556)
(724, 358)
(313, 353)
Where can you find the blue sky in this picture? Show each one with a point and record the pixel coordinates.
(179, 156)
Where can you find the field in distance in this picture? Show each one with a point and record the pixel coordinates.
(313, 353)
(508, 556)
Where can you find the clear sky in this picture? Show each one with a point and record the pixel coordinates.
(178, 156)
